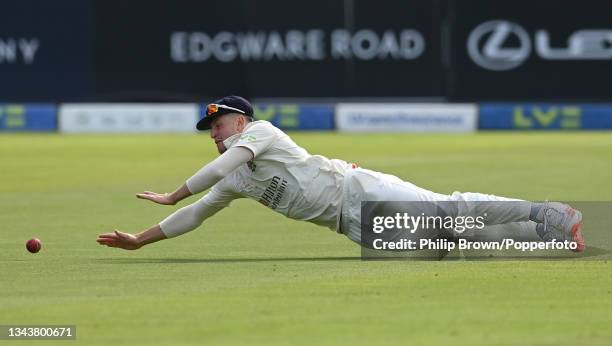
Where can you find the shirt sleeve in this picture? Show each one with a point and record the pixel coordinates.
(190, 217)
(257, 138)
(216, 170)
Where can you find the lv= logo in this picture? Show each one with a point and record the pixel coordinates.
(567, 117)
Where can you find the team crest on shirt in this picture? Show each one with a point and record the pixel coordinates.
(248, 138)
(252, 166)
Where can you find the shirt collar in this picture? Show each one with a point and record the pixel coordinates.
(233, 139)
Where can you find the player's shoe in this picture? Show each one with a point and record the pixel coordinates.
(562, 222)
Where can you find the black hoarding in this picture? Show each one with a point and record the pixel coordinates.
(531, 50)
(45, 50)
(191, 49)
(478, 50)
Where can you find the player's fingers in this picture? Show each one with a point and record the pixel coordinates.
(107, 233)
(107, 242)
(147, 197)
(107, 236)
(113, 243)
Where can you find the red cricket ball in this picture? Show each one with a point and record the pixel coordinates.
(33, 245)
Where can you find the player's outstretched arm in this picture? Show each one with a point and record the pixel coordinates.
(129, 241)
(204, 178)
(166, 198)
(181, 221)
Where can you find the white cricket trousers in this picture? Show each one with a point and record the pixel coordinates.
(366, 185)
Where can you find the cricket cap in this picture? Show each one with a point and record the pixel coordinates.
(225, 105)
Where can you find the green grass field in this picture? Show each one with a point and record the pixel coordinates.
(250, 276)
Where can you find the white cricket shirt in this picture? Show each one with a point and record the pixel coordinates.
(283, 177)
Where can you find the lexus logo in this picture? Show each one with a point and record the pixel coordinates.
(489, 45)
(501, 45)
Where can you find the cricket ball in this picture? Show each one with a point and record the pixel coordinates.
(33, 245)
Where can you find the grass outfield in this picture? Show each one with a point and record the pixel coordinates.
(249, 275)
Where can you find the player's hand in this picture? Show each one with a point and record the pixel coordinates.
(160, 198)
(120, 240)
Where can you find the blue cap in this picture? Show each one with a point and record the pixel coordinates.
(225, 105)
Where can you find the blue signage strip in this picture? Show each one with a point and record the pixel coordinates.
(28, 117)
(544, 116)
(292, 116)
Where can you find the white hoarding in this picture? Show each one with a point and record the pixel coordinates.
(127, 117)
(406, 117)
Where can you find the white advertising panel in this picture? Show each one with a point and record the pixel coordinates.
(406, 117)
(127, 117)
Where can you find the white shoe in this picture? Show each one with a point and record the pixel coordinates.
(565, 220)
